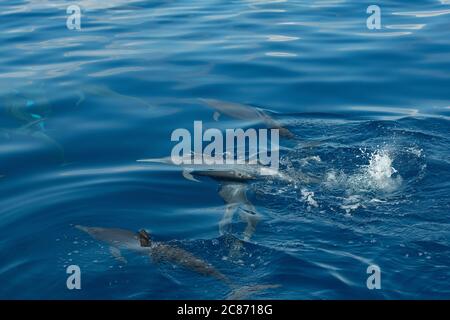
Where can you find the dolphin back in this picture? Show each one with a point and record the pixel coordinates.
(169, 253)
(234, 110)
(112, 236)
(244, 292)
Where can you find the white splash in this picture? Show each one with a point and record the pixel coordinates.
(308, 160)
(378, 176)
(380, 172)
(308, 197)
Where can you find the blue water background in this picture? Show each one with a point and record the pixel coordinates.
(78, 108)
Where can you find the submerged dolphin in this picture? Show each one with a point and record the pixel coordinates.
(225, 172)
(32, 112)
(235, 196)
(27, 107)
(104, 91)
(246, 112)
(233, 188)
(140, 242)
(117, 239)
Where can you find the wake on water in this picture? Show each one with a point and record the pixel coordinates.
(375, 179)
(347, 178)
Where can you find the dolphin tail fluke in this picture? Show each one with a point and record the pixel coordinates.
(245, 292)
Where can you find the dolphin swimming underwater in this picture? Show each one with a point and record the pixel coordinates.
(233, 187)
(29, 130)
(141, 243)
(117, 239)
(32, 111)
(225, 172)
(27, 107)
(104, 91)
(246, 112)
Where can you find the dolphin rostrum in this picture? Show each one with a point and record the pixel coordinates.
(141, 242)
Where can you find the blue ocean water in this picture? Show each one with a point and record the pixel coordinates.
(371, 107)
